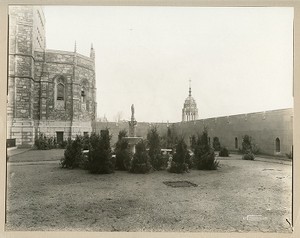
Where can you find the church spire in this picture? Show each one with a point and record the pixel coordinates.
(75, 47)
(190, 89)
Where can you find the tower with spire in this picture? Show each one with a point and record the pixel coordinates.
(189, 110)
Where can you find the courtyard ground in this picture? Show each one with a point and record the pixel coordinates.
(240, 196)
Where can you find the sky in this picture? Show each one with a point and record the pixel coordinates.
(239, 60)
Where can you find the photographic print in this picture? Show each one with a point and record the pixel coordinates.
(139, 119)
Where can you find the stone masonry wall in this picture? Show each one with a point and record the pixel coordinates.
(263, 127)
(141, 129)
(20, 75)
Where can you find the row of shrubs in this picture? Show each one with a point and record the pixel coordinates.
(97, 160)
(147, 157)
(180, 161)
(248, 150)
(48, 143)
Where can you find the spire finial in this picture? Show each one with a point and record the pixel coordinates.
(190, 89)
(75, 47)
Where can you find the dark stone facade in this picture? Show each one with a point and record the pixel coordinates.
(49, 91)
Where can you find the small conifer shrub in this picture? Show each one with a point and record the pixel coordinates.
(154, 143)
(181, 156)
(45, 143)
(100, 156)
(216, 144)
(248, 156)
(224, 152)
(246, 144)
(247, 148)
(208, 162)
(204, 156)
(73, 154)
(123, 155)
(140, 163)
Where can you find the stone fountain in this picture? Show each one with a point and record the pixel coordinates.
(132, 139)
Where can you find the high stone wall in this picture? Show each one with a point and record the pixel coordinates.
(142, 128)
(263, 127)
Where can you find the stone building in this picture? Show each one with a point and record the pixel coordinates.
(189, 110)
(49, 91)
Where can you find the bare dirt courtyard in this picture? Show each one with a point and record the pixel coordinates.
(240, 196)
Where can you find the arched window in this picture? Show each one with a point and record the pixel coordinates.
(60, 92)
(236, 143)
(277, 145)
(83, 95)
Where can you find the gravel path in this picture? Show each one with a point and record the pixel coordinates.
(239, 196)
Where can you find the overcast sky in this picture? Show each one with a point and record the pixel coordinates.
(240, 60)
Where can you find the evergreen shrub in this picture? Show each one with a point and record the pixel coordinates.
(169, 140)
(140, 163)
(208, 162)
(224, 152)
(43, 143)
(204, 156)
(248, 156)
(99, 157)
(47, 143)
(181, 156)
(247, 148)
(154, 143)
(123, 154)
(216, 144)
(73, 154)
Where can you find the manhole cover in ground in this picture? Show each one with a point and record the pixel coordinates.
(178, 184)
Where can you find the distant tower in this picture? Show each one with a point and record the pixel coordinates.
(189, 110)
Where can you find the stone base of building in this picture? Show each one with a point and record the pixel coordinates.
(25, 131)
(22, 131)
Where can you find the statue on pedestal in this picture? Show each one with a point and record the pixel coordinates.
(132, 112)
(132, 123)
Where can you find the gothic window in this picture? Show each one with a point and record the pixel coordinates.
(83, 95)
(60, 92)
(277, 145)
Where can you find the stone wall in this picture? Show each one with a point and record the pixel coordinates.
(263, 127)
(142, 128)
(20, 74)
